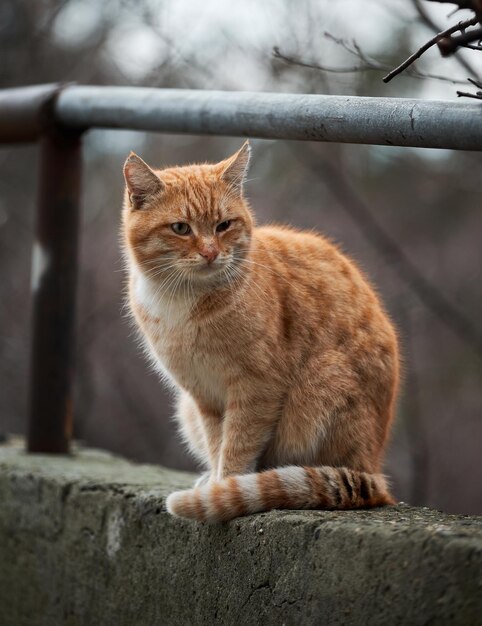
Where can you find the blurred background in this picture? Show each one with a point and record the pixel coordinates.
(411, 217)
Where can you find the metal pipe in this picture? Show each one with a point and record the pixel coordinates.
(23, 112)
(54, 271)
(59, 117)
(384, 121)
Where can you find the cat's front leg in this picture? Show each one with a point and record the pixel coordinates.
(203, 479)
(212, 423)
(201, 427)
(248, 425)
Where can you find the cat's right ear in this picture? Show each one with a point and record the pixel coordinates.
(142, 183)
(235, 169)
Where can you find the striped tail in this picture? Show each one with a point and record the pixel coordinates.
(291, 487)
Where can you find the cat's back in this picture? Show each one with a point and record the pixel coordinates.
(318, 282)
(308, 257)
(297, 246)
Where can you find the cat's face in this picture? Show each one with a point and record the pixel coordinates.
(189, 223)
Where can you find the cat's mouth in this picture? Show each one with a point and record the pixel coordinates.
(208, 273)
(208, 269)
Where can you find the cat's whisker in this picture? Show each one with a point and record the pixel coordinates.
(163, 288)
(160, 266)
(236, 280)
(161, 274)
(271, 270)
(240, 276)
(171, 303)
(156, 273)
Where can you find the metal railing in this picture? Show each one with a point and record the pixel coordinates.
(56, 116)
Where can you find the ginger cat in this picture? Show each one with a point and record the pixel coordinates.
(284, 362)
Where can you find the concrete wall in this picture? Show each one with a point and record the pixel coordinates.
(85, 540)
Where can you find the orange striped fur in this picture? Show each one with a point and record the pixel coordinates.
(277, 347)
(292, 487)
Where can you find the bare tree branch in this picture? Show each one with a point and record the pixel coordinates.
(449, 45)
(292, 60)
(428, 21)
(366, 64)
(432, 42)
(477, 95)
(472, 5)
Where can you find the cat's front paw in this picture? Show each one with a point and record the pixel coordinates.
(202, 480)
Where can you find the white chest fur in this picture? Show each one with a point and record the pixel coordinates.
(181, 348)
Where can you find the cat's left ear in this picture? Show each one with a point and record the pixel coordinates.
(142, 183)
(235, 169)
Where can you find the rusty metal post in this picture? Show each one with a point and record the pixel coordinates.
(54, 272)
(22, 112)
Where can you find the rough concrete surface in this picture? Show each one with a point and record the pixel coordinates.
(86, 540)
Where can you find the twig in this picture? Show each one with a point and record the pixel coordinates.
(472, 5)
(467, 94)
(354, 49)
(291, 60)
(448, 45)
(426, 46)
(427, 20)
(367, 65)
(477, 95)
(476, 83)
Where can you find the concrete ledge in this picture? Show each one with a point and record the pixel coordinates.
(86, 540)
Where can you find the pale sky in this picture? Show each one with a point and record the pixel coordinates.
(233, 39)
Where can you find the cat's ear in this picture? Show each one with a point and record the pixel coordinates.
(235, 169)
(142, 183)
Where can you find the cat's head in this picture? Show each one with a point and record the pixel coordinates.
(190, 222)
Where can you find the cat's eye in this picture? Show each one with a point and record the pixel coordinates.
(181, 228)
(223, 226)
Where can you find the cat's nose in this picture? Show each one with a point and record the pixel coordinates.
(210, 253)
